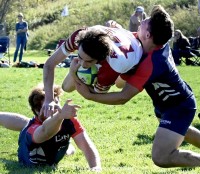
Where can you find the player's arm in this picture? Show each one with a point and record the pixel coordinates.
(49, 69)
(68, 84)
(111, 98)
(52, 125)
(84, 143)
(106, 77)
(48, 77)
(13, 121)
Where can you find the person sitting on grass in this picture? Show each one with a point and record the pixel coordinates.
(45, 141)
(181, 48)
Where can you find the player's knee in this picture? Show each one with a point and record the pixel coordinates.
(158, 161)
(67, 88)
(120, 83)
(162, 159)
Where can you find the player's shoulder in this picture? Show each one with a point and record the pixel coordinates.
(33, 124)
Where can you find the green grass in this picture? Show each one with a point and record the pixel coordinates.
(122, 134)
(31, 55)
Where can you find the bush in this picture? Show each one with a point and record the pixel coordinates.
(47, 26)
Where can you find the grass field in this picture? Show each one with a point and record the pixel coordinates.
(122, 134)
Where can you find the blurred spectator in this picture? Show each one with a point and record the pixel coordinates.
(136, 18)
(27, 36)
(181, 48)
(195, 41)
(199, 7)
(21, 28)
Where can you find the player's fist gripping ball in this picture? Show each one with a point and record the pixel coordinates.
(87, 76)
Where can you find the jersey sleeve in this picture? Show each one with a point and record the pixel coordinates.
(70, 43)
(105, 78)
(142, 74)
(78, 127)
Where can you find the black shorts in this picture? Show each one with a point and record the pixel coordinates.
(178, 118)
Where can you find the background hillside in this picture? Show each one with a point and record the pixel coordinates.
(46, 26)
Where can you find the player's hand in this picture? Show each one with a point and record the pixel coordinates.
(49, 108)
(69, 110)
(96, 169)
(75, 64)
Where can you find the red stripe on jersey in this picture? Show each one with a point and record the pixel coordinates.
(33, 127)
(106, 75)
(78, 127)
(70, 44)
(142, 74)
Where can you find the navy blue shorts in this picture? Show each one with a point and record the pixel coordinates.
(178, 118)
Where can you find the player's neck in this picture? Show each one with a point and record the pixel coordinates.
(148, 46)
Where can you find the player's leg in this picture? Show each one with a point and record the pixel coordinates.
(71, 150)
(193, 136)
(173, 127)
(165, 152)
(120, 83)
(13, 121)
(68, 84)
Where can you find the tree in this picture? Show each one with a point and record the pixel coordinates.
(4, 8)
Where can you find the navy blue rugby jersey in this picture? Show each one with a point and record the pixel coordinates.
(51, 151)
(158, 75)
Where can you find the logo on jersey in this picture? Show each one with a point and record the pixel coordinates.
(165, 122)
(37, 155)
(59, 138)
(165, 90)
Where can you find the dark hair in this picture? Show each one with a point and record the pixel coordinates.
(161, 27)
(37, 96)
(95, 43)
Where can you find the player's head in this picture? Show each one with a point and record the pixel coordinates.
(37, 95)
(158, 26)
(20, 16)
(139, 10)
(93, 46)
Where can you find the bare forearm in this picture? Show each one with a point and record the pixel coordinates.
(112, 98)
(48, 129)
(48, 80)
(49, 71)
(87, 146)
(93, 157)
(22, 30)
(52, 125)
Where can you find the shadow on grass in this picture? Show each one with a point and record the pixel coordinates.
(14, 167)
(143, 139)
(146, 139)
(197, 125)
(179, 170)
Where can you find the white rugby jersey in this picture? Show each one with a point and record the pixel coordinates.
(126, 54)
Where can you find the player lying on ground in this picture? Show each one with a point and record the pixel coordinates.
(44, 141)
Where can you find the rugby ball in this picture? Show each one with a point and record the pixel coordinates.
(88, 76)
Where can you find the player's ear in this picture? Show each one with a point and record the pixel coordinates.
(148, 35)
